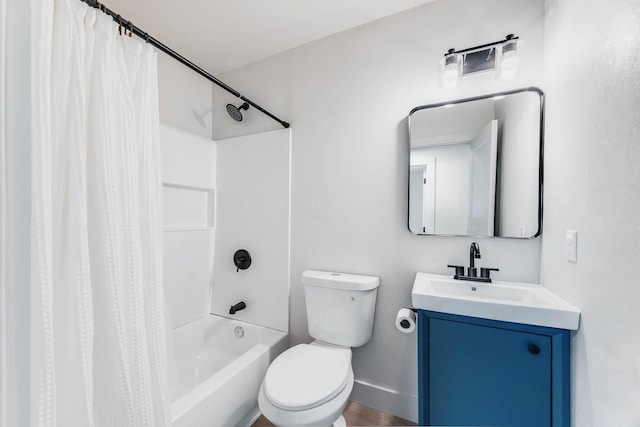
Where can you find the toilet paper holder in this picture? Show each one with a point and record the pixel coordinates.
(406, 319)
(404, 322)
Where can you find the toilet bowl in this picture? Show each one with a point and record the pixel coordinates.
(310, 384)
(307, 385)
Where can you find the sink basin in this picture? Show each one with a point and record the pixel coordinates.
(506, 301)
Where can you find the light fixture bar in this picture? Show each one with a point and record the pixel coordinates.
(483, 46)
(500, 56)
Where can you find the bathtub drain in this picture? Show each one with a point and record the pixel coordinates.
(238, 331)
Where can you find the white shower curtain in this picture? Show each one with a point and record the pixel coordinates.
(98, 340)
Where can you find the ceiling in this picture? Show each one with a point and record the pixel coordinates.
(220, 35)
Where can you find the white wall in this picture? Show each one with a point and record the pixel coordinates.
(592, 185)
(184, 96)
(347, 97)
(451, 164)
(253, 214)
(458, 122)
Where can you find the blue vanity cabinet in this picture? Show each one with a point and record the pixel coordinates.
(488, 373)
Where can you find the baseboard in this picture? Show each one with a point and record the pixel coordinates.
(386, 400)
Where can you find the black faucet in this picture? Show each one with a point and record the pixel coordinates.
(237, 307)
(474, 252)
(472, 271)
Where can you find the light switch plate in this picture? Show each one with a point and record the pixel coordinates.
(572, 246)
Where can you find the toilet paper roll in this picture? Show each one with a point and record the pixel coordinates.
(406, 320)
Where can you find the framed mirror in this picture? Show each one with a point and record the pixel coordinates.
(475, 166)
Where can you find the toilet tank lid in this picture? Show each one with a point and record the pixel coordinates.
(344, 281)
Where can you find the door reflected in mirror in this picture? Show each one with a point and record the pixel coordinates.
(476, 166)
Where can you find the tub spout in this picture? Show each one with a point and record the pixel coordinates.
(237, 307)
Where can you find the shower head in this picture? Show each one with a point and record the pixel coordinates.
(234, 111)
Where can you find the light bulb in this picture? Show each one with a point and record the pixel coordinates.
(508, 64)
(450, 75)
(451, 70)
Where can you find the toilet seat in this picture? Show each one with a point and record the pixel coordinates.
(306, 376)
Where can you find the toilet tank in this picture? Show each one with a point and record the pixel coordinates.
(340, 306)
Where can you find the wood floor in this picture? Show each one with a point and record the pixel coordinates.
(357, 415)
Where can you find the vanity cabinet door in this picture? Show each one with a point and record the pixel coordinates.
(487, 376)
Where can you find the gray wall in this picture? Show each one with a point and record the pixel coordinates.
(16, 132)
(592, 184)
(347, 97)
(184, 96)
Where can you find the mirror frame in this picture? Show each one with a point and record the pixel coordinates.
(534, 89)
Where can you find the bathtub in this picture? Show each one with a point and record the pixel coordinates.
(218, 368)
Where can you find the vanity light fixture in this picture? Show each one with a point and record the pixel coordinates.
(508, 58)
(500, 56)
(451, 69)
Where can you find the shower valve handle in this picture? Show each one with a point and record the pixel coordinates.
(242, 259)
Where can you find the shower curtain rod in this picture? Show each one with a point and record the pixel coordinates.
(184, 61)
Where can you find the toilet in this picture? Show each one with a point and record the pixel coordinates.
(310, 384)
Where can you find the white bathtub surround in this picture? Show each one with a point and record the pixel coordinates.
(219, 366)
(210, 191)
(253, 214)
(189, 205)
(232, 194)
(98, 351)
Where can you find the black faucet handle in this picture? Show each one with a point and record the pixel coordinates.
(242, 259)
(486, 272)
(459, 270)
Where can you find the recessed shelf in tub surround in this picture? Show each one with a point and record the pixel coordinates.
(189, 200)
(188, 180)
(188, 208)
